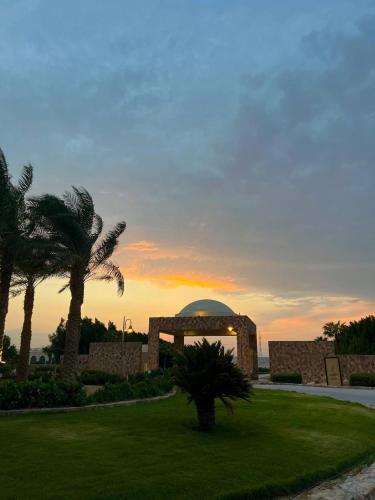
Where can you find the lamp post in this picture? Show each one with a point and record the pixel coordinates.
(130, 328)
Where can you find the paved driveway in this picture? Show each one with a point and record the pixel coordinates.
(363, 396)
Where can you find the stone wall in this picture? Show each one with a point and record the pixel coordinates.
(355, 363)
(307, 358)
(122, 358)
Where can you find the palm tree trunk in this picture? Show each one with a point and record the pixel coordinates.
(28, 306)
(206, 414)
(73, 326)
(6, 271)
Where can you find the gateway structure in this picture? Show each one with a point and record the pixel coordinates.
(207, 318)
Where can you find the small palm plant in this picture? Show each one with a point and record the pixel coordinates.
(206, 372)
(73, 228)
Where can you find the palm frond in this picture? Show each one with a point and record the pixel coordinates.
(107, 245)
(97, 228)
(25, 181)
(4, 170)
(65, 287)
(111, 272)
(81, 204)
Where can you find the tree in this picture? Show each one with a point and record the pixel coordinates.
(331, 330)
(206, 372)
(10, 354)
(90, 331)
(167, 353)
(96, 331)
(71, 223)
(12, 223)
(35, 263)
(57, 341)
(358, 337)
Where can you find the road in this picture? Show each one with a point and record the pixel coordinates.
(363, 396)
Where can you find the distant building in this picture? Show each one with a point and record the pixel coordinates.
(37, 356)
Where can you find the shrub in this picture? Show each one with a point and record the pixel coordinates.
(44, 373)
(38, 394)
(261, 369)
(362, 379)
(6, 371)
(113, 392)
(290, 378)
(207, 372)
(97, 377)
(140, 377)
(147, 388)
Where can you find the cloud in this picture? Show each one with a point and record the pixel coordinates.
(171, 267)
(142, 246)
(192, 279)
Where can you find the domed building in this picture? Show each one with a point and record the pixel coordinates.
(206, 318)
(205, 307)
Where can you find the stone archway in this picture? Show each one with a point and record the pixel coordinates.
(202, 323)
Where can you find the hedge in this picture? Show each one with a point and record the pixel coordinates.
(44, 373)
(291, 378)
(39, 394)
(54, 393)
(362, 379)
(97, 377)
(149, 387)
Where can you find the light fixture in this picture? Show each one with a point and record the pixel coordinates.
(130, 328)
(230, 328)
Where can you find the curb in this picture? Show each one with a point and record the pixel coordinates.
(67, 409)
(319, 385)
(365, 405)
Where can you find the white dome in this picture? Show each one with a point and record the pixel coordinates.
(206, 308)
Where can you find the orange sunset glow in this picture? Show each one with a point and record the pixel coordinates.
(154, 287)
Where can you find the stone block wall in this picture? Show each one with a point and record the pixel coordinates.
(355, 363)
(307, 358)
(122, 358)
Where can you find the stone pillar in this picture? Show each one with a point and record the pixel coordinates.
(243, 350)
(247, 352)
(153, 345)
(178, 342)
(254, 356)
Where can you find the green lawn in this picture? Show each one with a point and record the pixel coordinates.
(280, 440)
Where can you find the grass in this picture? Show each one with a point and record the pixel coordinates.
(279, 443)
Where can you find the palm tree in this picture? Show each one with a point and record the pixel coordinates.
(35, 263)
(12, 225)
(206, 372)
(72, 226)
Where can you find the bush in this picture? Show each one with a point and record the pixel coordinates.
(289, 378)
(261, 369)
(113, 392)
(6, 371)
(97, 377)
(39, 394)
(362, 379)
(147, 388)
(44, 373)
(141, 377)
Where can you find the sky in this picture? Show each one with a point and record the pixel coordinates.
(235, 138)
